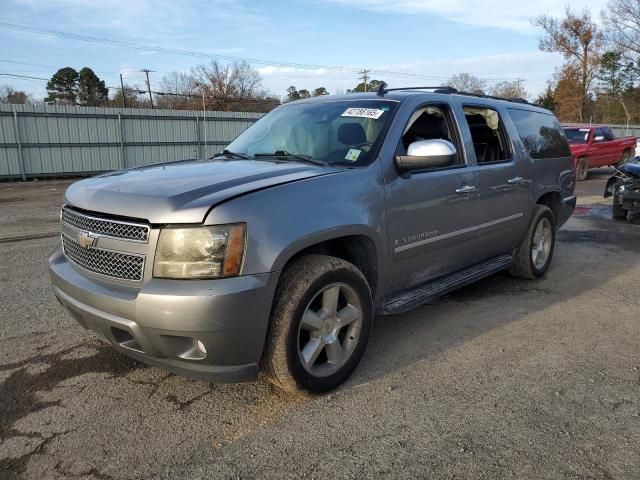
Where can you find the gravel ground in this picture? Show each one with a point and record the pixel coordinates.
(502, 379)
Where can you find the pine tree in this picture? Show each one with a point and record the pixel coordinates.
(63, 87)
(91, 90)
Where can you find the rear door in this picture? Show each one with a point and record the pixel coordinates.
(504, 183)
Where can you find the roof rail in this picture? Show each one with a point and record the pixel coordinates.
(450, 90)
(439, 89)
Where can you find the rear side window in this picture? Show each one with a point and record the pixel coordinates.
(540, 133)
(488, 134)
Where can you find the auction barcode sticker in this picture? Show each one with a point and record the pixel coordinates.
(363, 113)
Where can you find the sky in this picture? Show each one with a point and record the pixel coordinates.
(305, 43)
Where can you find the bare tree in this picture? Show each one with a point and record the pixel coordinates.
(229, 87)
(181, 89)
(509, 89)
(10, 95)
(581, 43)
(465, 82)
(622, 23)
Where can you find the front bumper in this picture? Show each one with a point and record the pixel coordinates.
(161, 322)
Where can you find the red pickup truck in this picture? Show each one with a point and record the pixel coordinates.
(595, 146)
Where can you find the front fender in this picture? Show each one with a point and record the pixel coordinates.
(285, 219)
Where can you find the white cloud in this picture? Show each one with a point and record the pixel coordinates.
(507, 14)
(534, 68)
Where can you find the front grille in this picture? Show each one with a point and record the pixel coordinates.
(105, 227)
(104, 262)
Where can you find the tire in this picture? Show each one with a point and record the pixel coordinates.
(526, 264)
(617, 212)
(626, 155)
(582, 169)
(308, 289)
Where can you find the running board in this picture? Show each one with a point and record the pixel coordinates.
(409, 299)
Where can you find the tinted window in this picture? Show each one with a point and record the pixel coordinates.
(608, 134)
(540, 133)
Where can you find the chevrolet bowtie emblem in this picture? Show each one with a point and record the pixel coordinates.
(86, 240)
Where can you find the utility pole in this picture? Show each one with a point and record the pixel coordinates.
(124, 97)
(364, 76)
(204, 124)
(146, 71)
(518, 81)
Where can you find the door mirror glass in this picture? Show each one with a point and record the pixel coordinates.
(426, 154)
(599, 138)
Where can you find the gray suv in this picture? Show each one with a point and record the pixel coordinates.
(276, 254)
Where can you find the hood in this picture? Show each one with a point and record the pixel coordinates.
(182, 192)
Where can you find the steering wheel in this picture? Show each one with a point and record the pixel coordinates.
(363, 144)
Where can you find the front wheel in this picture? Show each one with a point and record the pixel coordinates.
(534, 255)
(320, 325)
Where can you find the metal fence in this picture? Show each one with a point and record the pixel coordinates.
(625, 130)
(40, 140)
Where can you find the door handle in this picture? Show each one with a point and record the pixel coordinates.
(515, 181)
(466, 189)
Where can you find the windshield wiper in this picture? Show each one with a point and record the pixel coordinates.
(230, 154)
(284, 155)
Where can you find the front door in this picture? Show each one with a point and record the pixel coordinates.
(431, 214)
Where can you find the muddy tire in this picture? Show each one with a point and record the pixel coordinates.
(320, 325)
(533, 257)
(582, 169)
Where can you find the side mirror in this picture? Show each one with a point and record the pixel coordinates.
(599, 138)
(425, 154)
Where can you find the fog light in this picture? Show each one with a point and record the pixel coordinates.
(201, 348)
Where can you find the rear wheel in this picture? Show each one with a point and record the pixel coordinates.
(534, 255)
(582, 169)
(626, 155)
(320, 325)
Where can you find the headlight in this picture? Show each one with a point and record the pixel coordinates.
(201, 252)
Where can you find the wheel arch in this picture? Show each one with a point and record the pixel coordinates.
(553, 200)
(355, 245)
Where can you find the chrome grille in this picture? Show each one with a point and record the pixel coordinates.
(104, 262)
(105, 227)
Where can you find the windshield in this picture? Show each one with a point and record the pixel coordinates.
(344, 132)
(577, 135)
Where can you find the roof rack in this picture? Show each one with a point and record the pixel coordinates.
(448, 90)
(440, 89)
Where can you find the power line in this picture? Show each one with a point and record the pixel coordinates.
(211, 56)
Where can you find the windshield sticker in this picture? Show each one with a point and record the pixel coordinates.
(373, 113)
(353, 154)
(584, 129)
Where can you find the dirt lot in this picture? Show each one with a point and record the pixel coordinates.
(503, 379)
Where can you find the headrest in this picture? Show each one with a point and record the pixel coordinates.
(429, 126)
(481, 133)
(352, 134)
